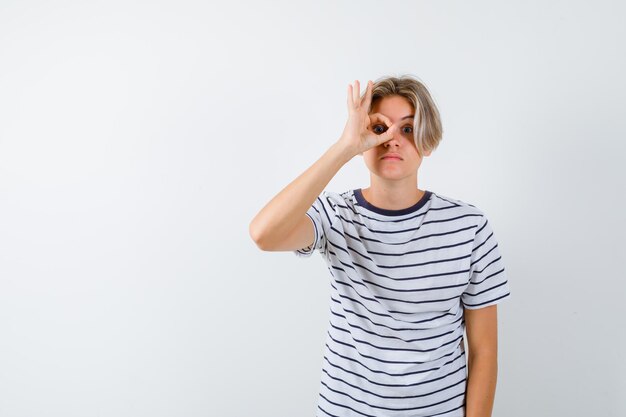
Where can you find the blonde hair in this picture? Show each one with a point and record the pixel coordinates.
(427, 129)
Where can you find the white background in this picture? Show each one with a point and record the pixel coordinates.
(139, 139)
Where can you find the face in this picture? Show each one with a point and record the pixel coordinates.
(396, 108)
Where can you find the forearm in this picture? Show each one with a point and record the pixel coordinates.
(481, 385)
(278, 217)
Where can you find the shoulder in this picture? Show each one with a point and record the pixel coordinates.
(334, 199)
(336, 204)
(457, 207)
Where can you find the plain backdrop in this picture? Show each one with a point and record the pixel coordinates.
(138, 139)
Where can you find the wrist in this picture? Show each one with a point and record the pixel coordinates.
(343, 152)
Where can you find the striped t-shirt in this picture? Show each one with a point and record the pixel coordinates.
(399, 282)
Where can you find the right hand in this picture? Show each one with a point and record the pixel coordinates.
(358, 135)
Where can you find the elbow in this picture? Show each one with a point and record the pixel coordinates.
(256, 235)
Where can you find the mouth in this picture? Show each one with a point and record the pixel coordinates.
(392, 157)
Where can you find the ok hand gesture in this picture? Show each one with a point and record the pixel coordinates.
(357, 134)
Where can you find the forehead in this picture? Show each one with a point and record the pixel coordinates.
(394, 107)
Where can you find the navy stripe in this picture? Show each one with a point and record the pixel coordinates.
(489, 264)
(374, 358)
(442, 274)
(387, 408)
(402, 254)
(377, 371)
(411, 290)
(362, 214)
(493, 249)
(483, 243)
(484, 291)
(466, 294)
(368, 239)
(383, 336)
(489, 276)
(488, 301)
(461, 382)
(430, 415)
(395, 349)
(410, 329)
(449, 362)
(364, 226)
(448, 201)
(326, 211)
(410, 302)
(380, 314)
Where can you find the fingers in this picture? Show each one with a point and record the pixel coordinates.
(353, 95)
(388, 135)
(377, 117)
(368, 94)
(356, 93)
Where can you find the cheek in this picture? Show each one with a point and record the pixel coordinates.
(369, 156)
(370, 160)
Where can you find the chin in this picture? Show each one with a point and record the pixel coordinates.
(392, 175)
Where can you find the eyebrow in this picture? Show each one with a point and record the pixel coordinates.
(410, 116)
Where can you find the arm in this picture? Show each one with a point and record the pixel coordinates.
(272, 227)
(482, 340)
(282, 224)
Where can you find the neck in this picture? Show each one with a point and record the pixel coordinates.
(395, 195)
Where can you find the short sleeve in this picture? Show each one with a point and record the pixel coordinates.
(488, 284)
(321, 213)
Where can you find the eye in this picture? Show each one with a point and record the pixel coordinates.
(378, 129)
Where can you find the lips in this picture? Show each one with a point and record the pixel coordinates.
(391, 156)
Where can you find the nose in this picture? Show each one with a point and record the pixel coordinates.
(394, 140)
